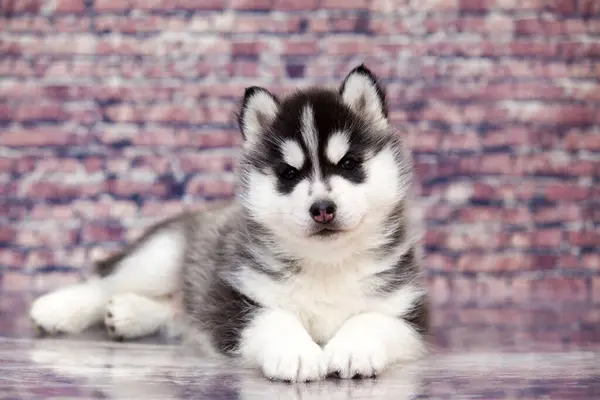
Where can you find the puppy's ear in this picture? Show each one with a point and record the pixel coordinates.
(259, 109)
(362, 93)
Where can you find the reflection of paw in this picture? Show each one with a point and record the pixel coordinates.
(131, 316)
(299, 360)
(349, 357)
(69, 310)
(403, 384)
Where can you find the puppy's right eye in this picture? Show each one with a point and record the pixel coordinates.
(289, 173)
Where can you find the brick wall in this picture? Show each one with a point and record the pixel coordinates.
(114, 113)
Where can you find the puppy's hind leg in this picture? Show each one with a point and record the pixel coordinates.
(152, 266)
(71, 309)
(149, 267)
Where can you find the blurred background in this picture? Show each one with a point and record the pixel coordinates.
(117, 113)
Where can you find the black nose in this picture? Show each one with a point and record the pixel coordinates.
(323, 211)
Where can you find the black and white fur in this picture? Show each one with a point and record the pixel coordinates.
(261, 278)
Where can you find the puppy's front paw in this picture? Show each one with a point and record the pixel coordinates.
(299, 360)
(349, 356)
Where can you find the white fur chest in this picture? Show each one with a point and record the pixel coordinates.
(322, 297)
(324, 300)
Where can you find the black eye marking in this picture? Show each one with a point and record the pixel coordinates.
(289, 173)
(348, 163)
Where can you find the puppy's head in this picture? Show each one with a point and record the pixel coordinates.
(321, 165)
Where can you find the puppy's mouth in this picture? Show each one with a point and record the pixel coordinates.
(326, 231)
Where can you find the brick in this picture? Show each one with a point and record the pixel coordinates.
(586, 238)
(291, 5)
(583, 141)
(209, 187)
(535, 239)
(549, 164)
(56, 165)
(575, 49)
(130, 188)
(536, 26)
(244, 68)
(557, 214)
(503, 316)
(163, 209)
(19, 6)
(300, 47)
(112, 5)
(104, 209)
(318, 24)
(465, 142)
(558, 289)
(45, 236)
(68, 24)
(342, 46)
(117, 23)
(193, 5)
(120, 6)
(550, 114)
(97, 233)
(255, 23)
(547, 238)
(565, 191)
(556, 6)
(495, 262)
(69, 6)
(25, 24)
(184, 138)
(40, 137)
(46, 212)
(494, 214)
(158, 113)
(252, 4)
(345, 4)
(247, 48)
(203, 162)
(55, 190)
(493, 290)
(473, 239)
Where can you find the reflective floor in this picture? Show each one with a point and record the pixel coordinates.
(92, 367)
(55, 368)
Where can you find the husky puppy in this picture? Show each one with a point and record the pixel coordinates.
(313, 270)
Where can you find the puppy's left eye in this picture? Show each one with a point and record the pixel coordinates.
(348, 163)
(290, 173)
